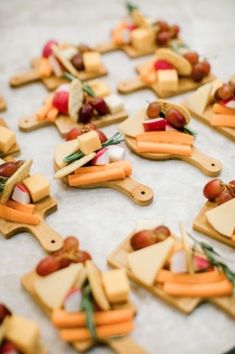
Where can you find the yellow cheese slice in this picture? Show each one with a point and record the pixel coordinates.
(146, 262)
(222, 218)
(74, 165)
(198, 101)
(63, 150)
(53, 288)
(133, 125)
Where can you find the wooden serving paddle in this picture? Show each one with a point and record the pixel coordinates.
(15, 149)
(118, 259)
(107, 47)
(49, 239)
(52, 82)
(3, 105)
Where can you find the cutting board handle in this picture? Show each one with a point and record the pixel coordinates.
(139, 193)
(131, 85)
(106, 47)
(31, 123)
(208, 165)
(50, 240)
(24, 78)
(125, 345)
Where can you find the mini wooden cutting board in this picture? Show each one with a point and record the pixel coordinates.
(3, 105)
(15, 149)
(65, 123)
(51, 82)
(208, 165)
(136, 84)
(122, 345)
(49, 239)
(205, 118)
(201, 224)
(118, 259)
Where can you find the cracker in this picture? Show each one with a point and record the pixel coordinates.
(66, 63)
(75, 98)
(182, 65)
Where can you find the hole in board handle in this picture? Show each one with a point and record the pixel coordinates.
(52, 241)
(213, 164)
(142, 192)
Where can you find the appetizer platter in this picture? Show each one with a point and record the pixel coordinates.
(216, 219)
(161, 132)
(3, 105)
(75, 104)
(91, 160)
(182, 272)
(87, 306)
(8, 143)
(214, 105)
(172, 72)
(24, 201)
(138, 35)
(19, 335)
(56, 60)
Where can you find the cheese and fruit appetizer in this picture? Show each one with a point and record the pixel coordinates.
(142, 33)
(221, 97)
(18, 335)
(170, 65)
(222, 216)
(161, 128)
(19, 192)
(7, 140)
(180, 267)
(82, 102)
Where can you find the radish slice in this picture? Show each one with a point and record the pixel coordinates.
(116, 153)
(101, 157)
(63, 88)
(230, 104)
(200, 263)
(73, 300)
(56, 67)
(178, 262)
(61, 101)
(21, 194)
(154, 124)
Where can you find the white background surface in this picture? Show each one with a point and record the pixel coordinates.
(102, 218)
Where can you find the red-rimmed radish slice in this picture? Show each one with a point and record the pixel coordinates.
(63, 87)
(72, 301)
(8, 348)
(101, 157)
(61, 101)
(55, 65)
(200, 263)
(116, 153)
(154, 124)
(162, 64)
(21, 194)
(47, 49)
(178, 262)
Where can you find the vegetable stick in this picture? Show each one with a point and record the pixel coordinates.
(52, 114)
(42, 112)
(223, 120)
(165, 276)
(148, 73)
(81, 334)
(44, 69)
(166, 137)
(163, 148)
(96, 177)
(28, 208)
(219, 108)
(63, 319)
(13, 215)
(208, 290)
(117, 33)
(124, 164)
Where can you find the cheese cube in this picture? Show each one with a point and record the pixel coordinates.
(100, 88)
(167, 80)
(89, 142)
(23, 333)
(92, 61)
(7, 139)
(116, 285)
(142, 38)
(38, 187)
(114, 103)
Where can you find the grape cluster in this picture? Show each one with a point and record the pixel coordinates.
(166, 33)
(219, 192)
(172, 115)
(225, 92)
(147, 238)
(200, 69)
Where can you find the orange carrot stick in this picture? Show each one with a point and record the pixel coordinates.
(52, 114)
(126, 165)
(163, 148)
(28, 208)
(42, 112)
(166, 137)
(44, 69)
(165, 276)
(223, 120)
(219, 108)
(148, 74)
(13, 215)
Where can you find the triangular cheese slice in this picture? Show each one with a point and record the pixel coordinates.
(215, 85)
(64, 149)
(222, 218)
(198, 101)
(133, 125)
(53, 288)
(146, 263)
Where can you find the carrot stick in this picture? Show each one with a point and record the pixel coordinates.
(52, 114)
(219, 108)
(117, 33)
(81, 334)
(96, 177)
(163, 148)
(124, 164)
(165, 276)
(63, 319)
(166, 137)
(28, 208)
(44, 69)
(13, 215)
(148, 74)
(223, 120)
(220, 288)
(42, 112)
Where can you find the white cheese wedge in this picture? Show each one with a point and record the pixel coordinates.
(198, 101)
(63, 150)
(133, 125)
(114, 103)
(222, 218)
(65, 171)
(146, 263)
(53, 288)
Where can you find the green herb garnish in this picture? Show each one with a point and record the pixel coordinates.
(86, 88)
(87, 306)
(189, 131)
(3, 181)
(115, 139)
(131, 7)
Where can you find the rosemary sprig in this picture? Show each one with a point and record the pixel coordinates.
(189, 131)
(3, 181)
(86, 88)
(87, 306)
(130, 7)
(113, 140)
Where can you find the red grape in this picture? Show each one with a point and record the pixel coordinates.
(192, 57)
(161, 233)
(231, 187)
(213, 189)
(207, 67)
(163, 25)
(71, 243)
(100, 106)
(73, 134)
(142, 239)
(102, 136)
(223, 197)
(198, 72)
(85, 113)
(225, 92)
(82, 257)
(153, 110)
(47, 266)
(7, 169)
(77, 62)
(163, 38)
(174, 31)
(175, 118)
(4, 311)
